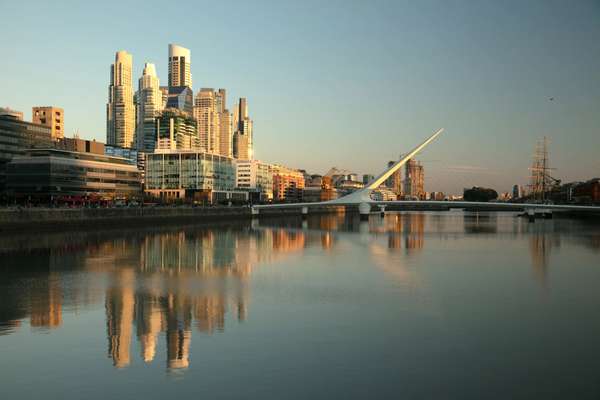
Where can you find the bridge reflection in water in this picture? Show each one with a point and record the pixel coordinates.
(162, 287)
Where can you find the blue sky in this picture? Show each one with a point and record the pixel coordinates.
(343, 83)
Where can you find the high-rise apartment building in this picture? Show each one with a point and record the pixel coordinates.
(179, 66)
(52, 117)
(207, 118)
(242, 136)
(225, 124)
(120, 110)
(225, 134)
(214, 121)
(394, 182)
(221, 101)
(241, 146)
(414, 182)
(179, 92)
(176, 130)
(149, 105)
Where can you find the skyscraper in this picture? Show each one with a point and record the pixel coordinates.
(120, 110)
(225, 124)
(241, 146)
(242, 137)
(179, 91)
(207, 117)
(214, 121)
(221, 101)
(394, 182)
(149, 105)
(226, 135)
(414, 180)
(179, 66)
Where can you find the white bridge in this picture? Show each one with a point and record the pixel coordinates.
(362, 198)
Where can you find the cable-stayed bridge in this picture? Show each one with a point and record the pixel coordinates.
(362, 198)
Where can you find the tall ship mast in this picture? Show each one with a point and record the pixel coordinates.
(541, 180)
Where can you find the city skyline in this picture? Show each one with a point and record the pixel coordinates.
(490, 84)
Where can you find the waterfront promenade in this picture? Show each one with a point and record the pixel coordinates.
(49, 219)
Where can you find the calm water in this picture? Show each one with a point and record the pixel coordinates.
(415, 305)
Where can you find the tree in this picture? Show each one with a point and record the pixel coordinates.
(479, 194)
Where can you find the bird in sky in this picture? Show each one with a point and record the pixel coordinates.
(551, 98)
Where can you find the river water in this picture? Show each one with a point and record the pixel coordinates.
(446, 305)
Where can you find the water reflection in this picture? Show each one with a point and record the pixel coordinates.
(541, 245)
(405, 231)
(167, 286)
(477, 223)
(167, 283)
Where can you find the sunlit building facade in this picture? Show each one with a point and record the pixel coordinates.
(178, 94)
(318, 188)
(187, 174)
(256, 176)
(120, 110)
(241, 146)
(52, 117)
(225, 134)
(207, 119)
(149, 106)
(243, 132)
(180, 59)
(414, 182)
(176, 130)
(288, 184)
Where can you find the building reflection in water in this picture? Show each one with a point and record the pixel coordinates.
(407, 229)
(404, 231)
(185, 281)
(162, 288)
(120, 303)
(37, 293)
(46, 303)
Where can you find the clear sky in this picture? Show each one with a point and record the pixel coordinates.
(341, 83)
